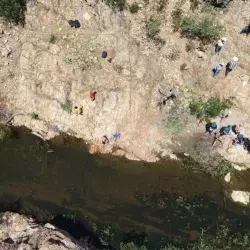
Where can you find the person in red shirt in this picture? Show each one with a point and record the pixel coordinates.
(92, 95)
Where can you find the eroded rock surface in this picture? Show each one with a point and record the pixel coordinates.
(18, 232)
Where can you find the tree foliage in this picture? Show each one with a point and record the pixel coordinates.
(13, 11)
(209, 109)
(207, 30)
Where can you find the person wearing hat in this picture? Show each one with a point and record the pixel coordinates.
(218, 69)
(220, 45)
(231, 65)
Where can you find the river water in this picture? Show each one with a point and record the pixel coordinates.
(115, 198)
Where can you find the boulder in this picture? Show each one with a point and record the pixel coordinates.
(240, 196)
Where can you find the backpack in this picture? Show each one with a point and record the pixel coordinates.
(214, 125)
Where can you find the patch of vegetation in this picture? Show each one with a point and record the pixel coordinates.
(211, 108)
(134, 7)
(207, 30)
(174, 124)
(5, 132)
(161, 5)
(119, 4)
(68, 60)
(183, 66)
(67, 106)
(194, 4)
(13, 11)
(190, 46)
(153, 30)
(52, 39)
(34, 116)
(177, 16)
(174, 54)
(207, 8)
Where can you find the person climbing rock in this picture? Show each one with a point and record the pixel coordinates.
(165, 97)
(74, 23)
(92, 95)
(231, 65)
(246, 30)
(217, 69)
(116, 136)
(104, 139)
(220, 44)
(78, 110)
(210, 127)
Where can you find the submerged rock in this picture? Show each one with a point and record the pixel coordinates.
(241, 196)
(20, 232)
(5, 132)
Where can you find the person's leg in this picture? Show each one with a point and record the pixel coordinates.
(228, 71)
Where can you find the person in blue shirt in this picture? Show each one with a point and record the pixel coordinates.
(117, 135)
(217, 69)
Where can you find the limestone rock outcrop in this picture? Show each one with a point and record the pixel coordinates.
(20, 232)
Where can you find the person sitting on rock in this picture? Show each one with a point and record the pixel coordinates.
(78, 110)
(225, 130)
(220, 45)
(246, 30)
(218, 69)
(74, 23)
(231, 65)
(210, 127)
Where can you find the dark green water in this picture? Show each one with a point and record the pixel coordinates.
(131, 200)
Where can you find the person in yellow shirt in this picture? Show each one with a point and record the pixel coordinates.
(78, 110)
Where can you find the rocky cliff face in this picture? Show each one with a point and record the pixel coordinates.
(18, 232)
(36, 75)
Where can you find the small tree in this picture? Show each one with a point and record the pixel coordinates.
(134, 7)
(211, 108)
(153, 29)
(13, 11)
(207, 30)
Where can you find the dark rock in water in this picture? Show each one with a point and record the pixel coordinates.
(75, 23)
(104, 54)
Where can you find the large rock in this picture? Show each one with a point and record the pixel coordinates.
(20, 232)
(240, 196)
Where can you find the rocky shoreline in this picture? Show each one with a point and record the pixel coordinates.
(22, 232)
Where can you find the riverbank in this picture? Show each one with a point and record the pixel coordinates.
(121, 200)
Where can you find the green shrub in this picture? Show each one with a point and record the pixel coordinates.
(207, 8)
(153, 29)
(5, 132)
(211, 108)
(134, 7)
(177, 18)
(67, 106)
(120, 4)
(34, 116)
(174, 124)
(161, 5)
(207, 30)
(52, 39)
(13, 11)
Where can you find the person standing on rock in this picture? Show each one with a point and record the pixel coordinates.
(117, 135)
(220, 44)
(231, 65)
(217, 69)
(104, 139)
(92, 95)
